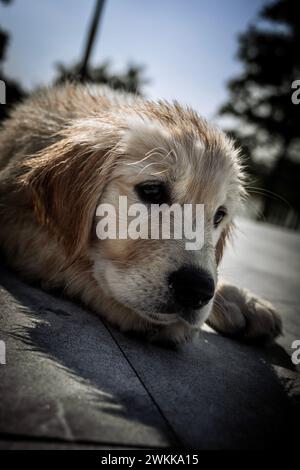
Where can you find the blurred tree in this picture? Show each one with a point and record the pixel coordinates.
(131, 80)
(14, 91)
(260, 102)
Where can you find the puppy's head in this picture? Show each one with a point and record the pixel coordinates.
(152, 153)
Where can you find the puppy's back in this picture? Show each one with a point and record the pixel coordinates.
(36, 123)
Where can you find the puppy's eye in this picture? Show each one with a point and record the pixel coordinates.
(219, 216)
(152, 192)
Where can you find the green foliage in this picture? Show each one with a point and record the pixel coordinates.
(14, 91)
(131, 80)
(260, 98)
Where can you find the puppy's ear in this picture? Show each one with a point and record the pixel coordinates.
(222, 242)
(65, 181)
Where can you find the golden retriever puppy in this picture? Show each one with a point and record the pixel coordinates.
(68, 149)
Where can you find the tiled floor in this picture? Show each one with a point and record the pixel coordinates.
(71, 380)
(266, 260)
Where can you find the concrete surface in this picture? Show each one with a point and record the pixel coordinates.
(72, 381)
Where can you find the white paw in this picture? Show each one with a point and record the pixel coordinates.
(262, 322)
(240, 314)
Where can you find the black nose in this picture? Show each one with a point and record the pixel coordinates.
(191, 287)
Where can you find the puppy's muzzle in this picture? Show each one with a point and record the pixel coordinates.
(191, 288)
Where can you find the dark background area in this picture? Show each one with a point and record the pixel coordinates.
(262, 116)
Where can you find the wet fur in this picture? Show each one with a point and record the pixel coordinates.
(68, 148)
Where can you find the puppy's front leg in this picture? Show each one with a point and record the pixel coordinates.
(238, 313)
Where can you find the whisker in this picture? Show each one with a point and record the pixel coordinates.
(149, 164)
(137, 161)
(266, 192)
(159, 172)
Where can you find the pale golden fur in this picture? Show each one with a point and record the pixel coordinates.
(70, 147)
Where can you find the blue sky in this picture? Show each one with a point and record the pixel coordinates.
(188, 46)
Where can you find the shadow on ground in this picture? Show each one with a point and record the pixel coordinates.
(71, 377)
